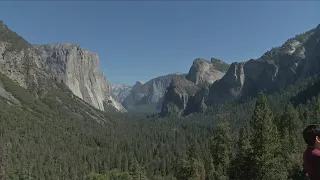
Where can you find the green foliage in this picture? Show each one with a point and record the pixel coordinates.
(112, 175)
(221, 150)
(59, 136)
(191, 169)
(267, 164)
(240, 166)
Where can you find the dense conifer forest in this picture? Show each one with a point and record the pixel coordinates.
(255, 139)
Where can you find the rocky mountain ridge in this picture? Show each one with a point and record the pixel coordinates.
(79, 70)
(202, 73)
(275, 69)
(37, 67)
(152, 93)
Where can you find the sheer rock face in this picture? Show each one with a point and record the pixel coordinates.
(151, 92)
(203, 73)
(20, 62)
(275, 69)
(177, 95)
(196, 103)
(181, 94)
(23, 66)
(79, 70)
(242, 79)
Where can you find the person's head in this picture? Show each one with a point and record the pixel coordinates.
(311, 135)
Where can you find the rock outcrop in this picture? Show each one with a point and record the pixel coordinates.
(196, 103)
(188, 94)
(242, 79)
(203, 73)
(177, 95)
(79, 70)
(281, 66)
(148, 96)
(20, 62)
(26, 81)
(274, 70)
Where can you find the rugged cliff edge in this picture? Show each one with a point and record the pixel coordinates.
(277, 68)
(179, 98)
(177, 95)
(281, 66)
(79, 70)
(26, 83)
(203, 73)
(20, 62)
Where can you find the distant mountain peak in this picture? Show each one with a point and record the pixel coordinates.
(120, 91)
(139, 82)
(215, 60)
(203, 72)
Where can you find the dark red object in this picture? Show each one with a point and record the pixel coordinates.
(311, 163)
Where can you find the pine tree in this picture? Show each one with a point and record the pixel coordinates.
(137, 172)
(241, 166)
(191, 169)
(210, 172)
(289, 127)
(267, 162)
(316, 110)
(221, 150)
(124, 164)
(290, 122)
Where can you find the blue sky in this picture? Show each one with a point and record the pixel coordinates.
(141, 40)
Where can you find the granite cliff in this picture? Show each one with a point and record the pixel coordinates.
(37, 67)
(180, 93)
(281, 66)
(28, 84)
(203, 73)
(20, 62)
(79, 70)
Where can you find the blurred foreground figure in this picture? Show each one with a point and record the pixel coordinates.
(311, 156)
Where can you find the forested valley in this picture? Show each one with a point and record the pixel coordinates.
(258, 138)
(53, 129)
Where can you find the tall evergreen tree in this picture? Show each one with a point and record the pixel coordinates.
(316, 110)
(241, 166)
(221, 150)
(267, 162)
(289, 128)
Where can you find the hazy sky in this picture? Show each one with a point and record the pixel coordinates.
(140, 40)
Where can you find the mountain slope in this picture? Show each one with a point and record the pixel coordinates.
(179, 94)
(120, 91)
(148, 96)
(79, 70)
(43, 124)
(20, 63)
(281, 66)
(277, 68)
